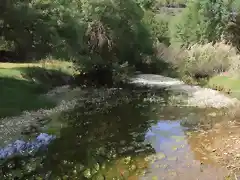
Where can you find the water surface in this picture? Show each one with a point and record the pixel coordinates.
(135, 139)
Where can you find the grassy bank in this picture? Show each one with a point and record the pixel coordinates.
(209, 65)
(22, 84)
(226, 83)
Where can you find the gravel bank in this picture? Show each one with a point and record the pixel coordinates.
(193, 95)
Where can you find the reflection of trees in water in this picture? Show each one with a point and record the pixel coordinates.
(89, 144)
(98, 138)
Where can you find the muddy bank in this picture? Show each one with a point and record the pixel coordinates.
(190, 95)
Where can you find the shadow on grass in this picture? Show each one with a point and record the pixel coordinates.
(20, 91)
(49, 77)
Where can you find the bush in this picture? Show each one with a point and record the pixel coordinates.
(208, 59)
(172, 55)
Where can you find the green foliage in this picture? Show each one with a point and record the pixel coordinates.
(206, 60)
(92, 33)
(147, 4)
(232, 33)
(201, 22)
(171, 3)
(157, 25)
(113, 39)
(41, 27)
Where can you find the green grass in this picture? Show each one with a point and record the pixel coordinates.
(227, 83)
(22, 84)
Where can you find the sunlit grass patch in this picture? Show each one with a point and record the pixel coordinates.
(228, 83)
(21, 84)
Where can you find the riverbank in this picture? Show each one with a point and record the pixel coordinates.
(65, 98)
(23, 83)
(189, 94)
(226, 83)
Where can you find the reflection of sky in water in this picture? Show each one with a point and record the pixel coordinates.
(161, 134)
(177, 160)
(20, 147)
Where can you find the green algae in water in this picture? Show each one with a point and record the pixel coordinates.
(79, 167)
(87, 173)
(162, 166)
(96, 166)
(132, 167)
(160, 155)
(151, 158)
(93, 171)
(174, 148)
(172, 158)
(172, 173)
(98, 177)
(178, 138)
(127, 160)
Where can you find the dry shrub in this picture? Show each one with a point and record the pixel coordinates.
(171, 55)
(203, 60)
(98, 40)
(209, 59)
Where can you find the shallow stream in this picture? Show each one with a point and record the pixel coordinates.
(141, 136)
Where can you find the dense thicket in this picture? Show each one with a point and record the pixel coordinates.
(111, 34)
(105, 33)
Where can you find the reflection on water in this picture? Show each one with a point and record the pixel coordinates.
(178, 157)
(134, 140)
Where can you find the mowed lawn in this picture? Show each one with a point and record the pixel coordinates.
(21, 85)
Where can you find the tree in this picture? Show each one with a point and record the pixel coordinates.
(202, 21)
(115, 34)
(104, 33)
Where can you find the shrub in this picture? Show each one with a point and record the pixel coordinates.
(208, 59)
(172, 55)
(201, 60)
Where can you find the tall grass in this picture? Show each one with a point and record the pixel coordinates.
(203, 59)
